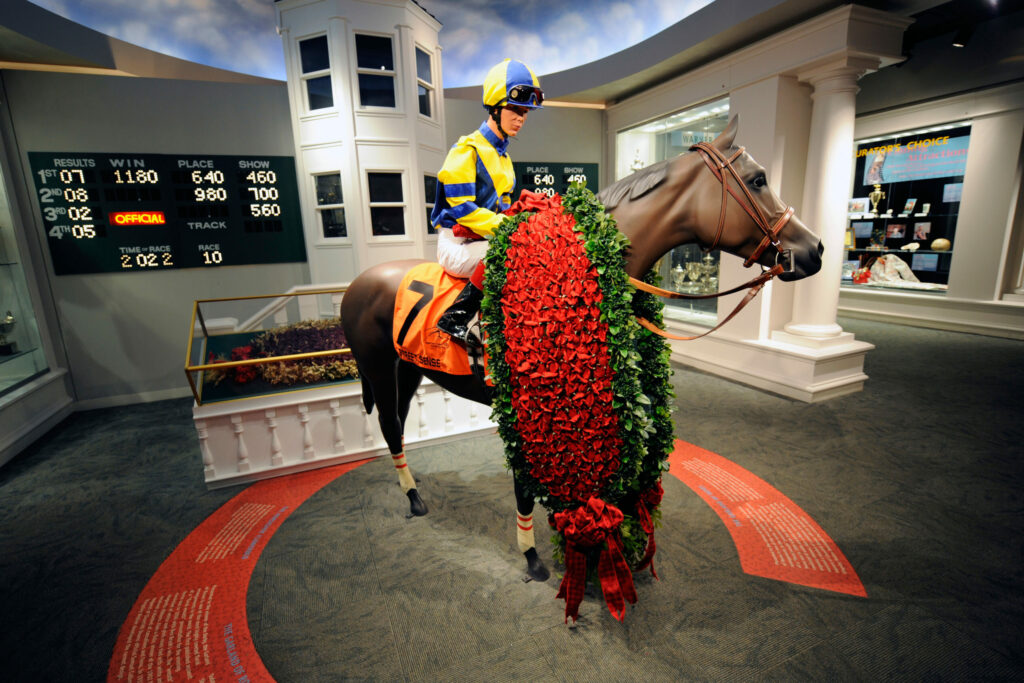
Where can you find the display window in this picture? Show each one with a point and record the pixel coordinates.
(902, 215)
(687, 269)
(21, 351)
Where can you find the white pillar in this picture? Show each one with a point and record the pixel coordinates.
(826, 191)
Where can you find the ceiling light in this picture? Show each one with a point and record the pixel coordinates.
(962, 36)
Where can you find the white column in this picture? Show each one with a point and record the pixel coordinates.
(826, 190)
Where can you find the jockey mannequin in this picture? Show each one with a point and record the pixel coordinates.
(475, 185)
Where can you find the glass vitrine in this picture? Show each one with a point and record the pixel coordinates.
(246, 347)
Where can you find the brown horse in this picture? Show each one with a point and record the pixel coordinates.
(671, 203)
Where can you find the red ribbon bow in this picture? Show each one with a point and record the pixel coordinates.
(587, 527)
(649, 500)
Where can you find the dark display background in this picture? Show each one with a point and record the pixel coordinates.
(77, 208)
(552, 177)
(942, 216)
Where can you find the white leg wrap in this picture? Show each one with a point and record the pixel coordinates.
(524, 531)
(405, 479)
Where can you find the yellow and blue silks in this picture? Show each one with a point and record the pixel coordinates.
(475, 184)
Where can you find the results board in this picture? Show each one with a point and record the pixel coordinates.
(132, 213)
(553, 177)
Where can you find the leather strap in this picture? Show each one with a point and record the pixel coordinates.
(658, 291)
(668, 335)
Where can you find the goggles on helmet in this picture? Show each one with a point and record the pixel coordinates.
(526, 94)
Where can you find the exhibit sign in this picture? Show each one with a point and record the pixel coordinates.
(551, 178)
(917, 159)
(107, 213)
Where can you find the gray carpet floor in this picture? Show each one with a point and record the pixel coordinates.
(916, 479)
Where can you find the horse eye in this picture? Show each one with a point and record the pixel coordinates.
(760, 181)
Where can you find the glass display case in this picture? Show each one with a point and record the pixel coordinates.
(248, 347)
(691, 270)
(685, 269)
(21, 353)
(902, 218)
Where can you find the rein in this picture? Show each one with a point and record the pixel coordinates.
(719, 164)
(754, 286)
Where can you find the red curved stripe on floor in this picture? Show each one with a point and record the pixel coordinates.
(189, 622)
(773, 536)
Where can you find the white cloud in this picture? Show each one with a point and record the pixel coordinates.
(549, 35)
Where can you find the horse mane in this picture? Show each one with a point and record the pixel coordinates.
(636, 185)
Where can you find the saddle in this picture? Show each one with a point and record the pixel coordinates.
(425, 294)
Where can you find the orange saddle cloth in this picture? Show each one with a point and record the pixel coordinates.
(426, 292)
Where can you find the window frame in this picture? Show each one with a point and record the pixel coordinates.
(319, 208)
(427, 85)
(429, 202)
(392, 73)
(305, 77)
(404, 205)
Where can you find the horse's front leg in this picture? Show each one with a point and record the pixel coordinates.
(535, 568)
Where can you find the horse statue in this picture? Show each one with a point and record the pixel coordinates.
(678, 201)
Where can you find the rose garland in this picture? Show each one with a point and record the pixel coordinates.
(582, 392)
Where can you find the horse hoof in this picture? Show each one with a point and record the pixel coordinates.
(535, 569)
(417, 508)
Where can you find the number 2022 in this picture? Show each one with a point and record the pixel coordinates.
(146, 260)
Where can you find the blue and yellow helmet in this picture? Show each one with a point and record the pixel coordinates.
(512, 82)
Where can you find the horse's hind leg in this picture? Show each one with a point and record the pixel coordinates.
(409, 378)
(535, 568)
(392, 393)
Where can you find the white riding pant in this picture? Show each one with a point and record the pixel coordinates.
(459, 256)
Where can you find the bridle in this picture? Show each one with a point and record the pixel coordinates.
(719, 165)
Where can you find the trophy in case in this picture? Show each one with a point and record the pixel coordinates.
(876, 196)
(7, 348)
(678, 277)
(694, 271)
(709, 278)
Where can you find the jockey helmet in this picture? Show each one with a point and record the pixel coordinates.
(512, 82)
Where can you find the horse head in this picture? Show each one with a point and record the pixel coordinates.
(718, 197)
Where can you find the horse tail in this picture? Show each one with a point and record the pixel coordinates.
(367, 394)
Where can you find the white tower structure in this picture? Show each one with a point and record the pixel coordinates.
(367, 108)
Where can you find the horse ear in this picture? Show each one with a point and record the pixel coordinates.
(725, 138)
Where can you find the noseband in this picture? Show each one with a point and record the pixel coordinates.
(719, 165)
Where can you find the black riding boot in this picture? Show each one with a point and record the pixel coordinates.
(455, 321)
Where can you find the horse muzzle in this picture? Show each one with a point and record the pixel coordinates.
(800, 263)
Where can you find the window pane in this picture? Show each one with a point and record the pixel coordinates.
(376, 91)
(423, 66)
(385, 187)
(314, 56)
(387, 220)
(430, 193)
(333, 221)
(374, 52)
(319, 91)
(328, 189)
(424, 98)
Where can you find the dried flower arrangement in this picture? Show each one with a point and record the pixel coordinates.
(301, 337)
